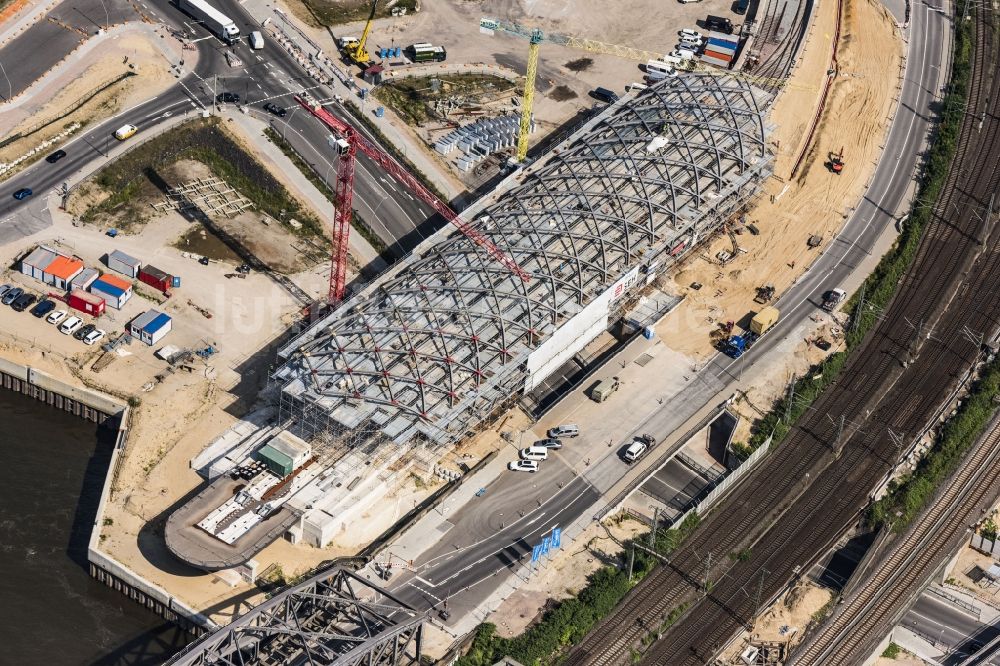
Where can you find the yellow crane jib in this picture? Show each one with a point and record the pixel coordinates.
(358, 52)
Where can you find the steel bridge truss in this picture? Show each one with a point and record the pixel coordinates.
(334, 618)
(443, 338)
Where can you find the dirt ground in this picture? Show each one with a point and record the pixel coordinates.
(60, 90)
(816, 201)
(785, 621)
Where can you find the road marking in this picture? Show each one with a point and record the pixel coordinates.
(424, 581)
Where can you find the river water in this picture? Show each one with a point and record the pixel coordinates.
(51, 612)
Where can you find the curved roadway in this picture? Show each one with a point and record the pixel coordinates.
(269, 74)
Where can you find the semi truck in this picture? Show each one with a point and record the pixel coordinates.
(760, 324)
(220, 24)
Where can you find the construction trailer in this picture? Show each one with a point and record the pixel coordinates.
(51, 266)
(90, 304)
(113, 289)
(123, 263)
(156, 278)
(150, 327)
(85, 278)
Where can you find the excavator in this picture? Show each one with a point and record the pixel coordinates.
(836, 163)
(356, 51)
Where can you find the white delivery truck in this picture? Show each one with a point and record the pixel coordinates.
(256, 40)
(220, 24)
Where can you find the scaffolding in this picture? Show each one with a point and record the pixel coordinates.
(442, 341)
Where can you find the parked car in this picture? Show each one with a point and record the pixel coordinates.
(4, 289)
(83, 331)
(534, 453)
(22, 302)
(549, 443)
(23, 193)
(94, 336)
(69, 326)
(56, 156)
(56, 316)
(565, 430)
(604, 95)
(11, 295)
(685, 45)
(43, 307)
(689, 34)
(523, 466)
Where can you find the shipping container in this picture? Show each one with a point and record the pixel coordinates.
(91, 304)
(123, 263)
(722, 45)
(764, 320)
(718, 62)
(156, 278)
(114, 290)
(718, 56)
(150, 327)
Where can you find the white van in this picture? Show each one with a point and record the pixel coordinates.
(636, 87)
(256, 40)
(682, 54)
(657, 70)
(125, 131)
(564, 431)
(536, 453)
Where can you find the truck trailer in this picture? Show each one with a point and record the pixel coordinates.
(220, 24)
(761, 323)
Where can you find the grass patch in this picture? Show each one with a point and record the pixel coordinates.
(909, 496)
(569, 621)
(134, 178)
(891, 651)
(412, 99)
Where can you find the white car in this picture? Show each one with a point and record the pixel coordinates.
(681, 55)
(69, 326)
(689, 45)
(93, 336)
(689, 35)
(56, 316)
(638, 448)
(523, 466)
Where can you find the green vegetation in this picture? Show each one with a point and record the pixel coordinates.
(880, 286)
(138, 176)
(891, 651)
(906, 498)
(306, 169)
(570, 620)
(988, 530)
(326, 13)
(411, 98)
(391, 148)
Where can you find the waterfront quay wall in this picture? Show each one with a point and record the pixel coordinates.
(112, 413)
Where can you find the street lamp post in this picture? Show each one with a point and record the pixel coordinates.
(10, 88)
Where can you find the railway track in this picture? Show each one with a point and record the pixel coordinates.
(882, 596)
(778, 62)
(807, 515)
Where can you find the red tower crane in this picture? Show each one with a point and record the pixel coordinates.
(352, 141)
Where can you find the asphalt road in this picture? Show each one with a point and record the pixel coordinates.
(269, 74)
(952, 628)
(513, 493)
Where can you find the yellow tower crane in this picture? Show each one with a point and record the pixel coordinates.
(536, 36)
(357, 51)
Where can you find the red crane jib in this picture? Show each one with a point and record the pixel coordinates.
(345, 195)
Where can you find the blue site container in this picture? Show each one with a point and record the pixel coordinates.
(648, 333)
(175, 281)
(363, 93)
(381, 52)
(399, 51)
(379, 112)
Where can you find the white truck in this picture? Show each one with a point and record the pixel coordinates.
(220, 24)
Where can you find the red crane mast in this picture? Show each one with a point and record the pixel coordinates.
(355, 141)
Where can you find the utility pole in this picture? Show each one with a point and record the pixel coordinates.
(790, 400)
(215, 95)
(631, 563)
(756, 604)
(656, 522)
(859, 310)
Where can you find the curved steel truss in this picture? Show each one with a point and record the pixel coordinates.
(334, 618)
(444, 337)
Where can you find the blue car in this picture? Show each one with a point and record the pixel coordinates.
(23, 193)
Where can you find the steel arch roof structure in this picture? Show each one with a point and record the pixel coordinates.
(335, 618)
(443, 338)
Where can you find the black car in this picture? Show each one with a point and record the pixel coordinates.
(56, 156)
(275, 109)
(44, 307)
(12, 295)
(83, 331)
(228, 98)
(604, 95)
(23, 301)
(23, 193)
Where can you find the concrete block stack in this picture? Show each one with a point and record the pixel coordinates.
(480, 138)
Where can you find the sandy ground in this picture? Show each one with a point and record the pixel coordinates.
(59, 90)
(817, 201)
(783, 622)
